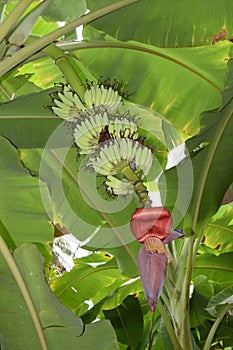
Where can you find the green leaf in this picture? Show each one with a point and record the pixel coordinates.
(128, 288)
(218, 232)
(206, 152)
(176, 189)
(7, 237)
(43, 27)
(204, 287)
(175, 74)
(97, 222)
(127, 258)
(166, 341)
(27, 121)
(164, 136)
(44, 73)
(174, 23)
(14, 86)
(203, 292)
(23, 30)
(83, 220)
(216, 134)
(15, 330)
(21, 209)
(225, 332)
(99, 334)
(63, 11)
(218, 269)
(56, 323)
(113, 300)
(85, 282)
(127, 321)
(219, 301)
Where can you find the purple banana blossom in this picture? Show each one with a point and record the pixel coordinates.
(152, 226)
(153, 267)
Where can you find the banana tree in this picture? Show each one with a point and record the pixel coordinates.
(127, 130)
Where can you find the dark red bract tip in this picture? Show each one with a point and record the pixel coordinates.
(148, 222)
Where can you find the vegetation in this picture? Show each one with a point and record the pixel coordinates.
(172, 65)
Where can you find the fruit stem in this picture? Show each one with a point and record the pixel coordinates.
(140, 189)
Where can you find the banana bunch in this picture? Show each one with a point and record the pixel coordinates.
(116, 154)
(87, 132)
(89, 128)
(68, 104)
(144, 159)
(119, 187)
(109, 138)
(122, 127)
(101, 96)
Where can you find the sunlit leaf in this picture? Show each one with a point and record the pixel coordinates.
(15, 86)
(218, 269)
(113, 300)
(85, 282)
(169, 24)
(206, 152)
(219, 232)
(63, 11)
(23, 30)
(175, 74)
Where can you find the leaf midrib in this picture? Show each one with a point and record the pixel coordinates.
(139, 48)
(224, 228)
(211, 267)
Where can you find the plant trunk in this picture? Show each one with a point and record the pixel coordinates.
(177, 286)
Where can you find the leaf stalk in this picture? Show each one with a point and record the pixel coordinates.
(169, 327)
(215, 326)
(15, 14)
(66, 68)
